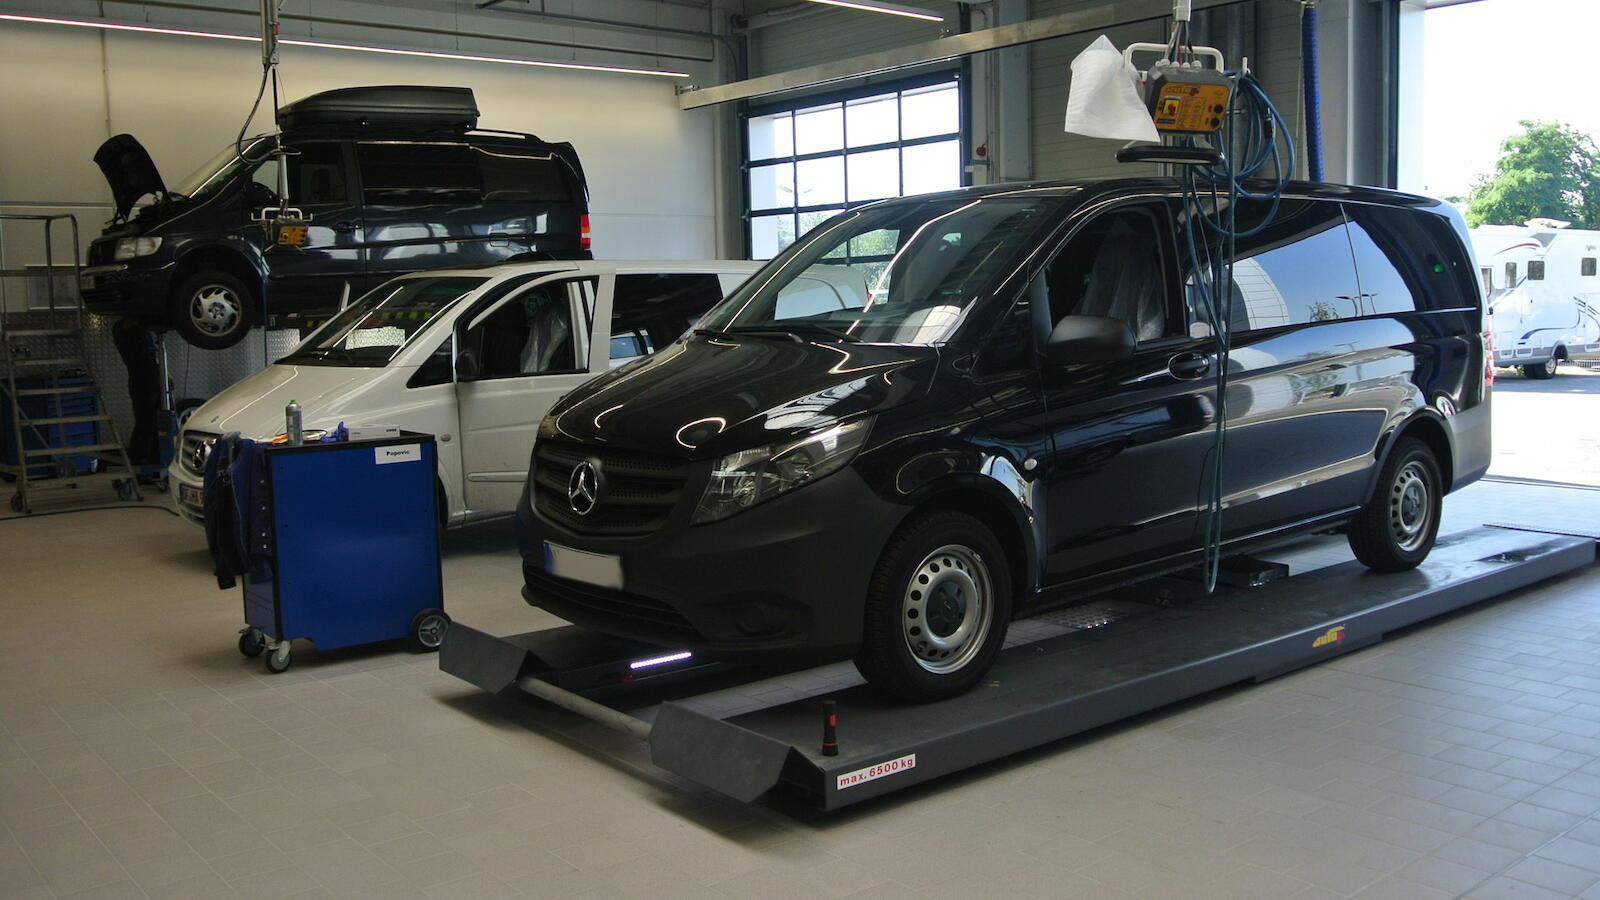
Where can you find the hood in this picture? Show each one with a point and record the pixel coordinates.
(254, 406)
(714, 395)
(129, 170)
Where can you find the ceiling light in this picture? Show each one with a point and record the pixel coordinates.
(893, 9)
(295, 42)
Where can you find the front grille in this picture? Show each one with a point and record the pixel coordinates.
(639, 493)
(192, 453)
(607, 602)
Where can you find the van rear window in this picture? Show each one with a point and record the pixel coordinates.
(523, 176)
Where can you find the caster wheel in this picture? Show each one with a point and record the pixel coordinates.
(251, 643)
(16, 503)
(427, 630)
(279, 660)
(124, 489)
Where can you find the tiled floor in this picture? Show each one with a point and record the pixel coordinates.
(140, 755)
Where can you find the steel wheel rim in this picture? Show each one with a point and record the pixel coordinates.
(947, 609)
(1410, 506)
(431, 631)
(214, 310)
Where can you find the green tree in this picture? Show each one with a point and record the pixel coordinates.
(1547, 170)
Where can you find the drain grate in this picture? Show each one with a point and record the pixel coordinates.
(1083, 617)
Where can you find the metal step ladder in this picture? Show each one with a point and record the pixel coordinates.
(49, 387)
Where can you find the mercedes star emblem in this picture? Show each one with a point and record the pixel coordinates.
(583, 488)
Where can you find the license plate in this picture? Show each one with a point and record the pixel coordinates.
(189, 496)
(599, 569)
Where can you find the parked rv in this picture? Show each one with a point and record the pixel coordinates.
(392, 180)
(473, 356)
(1542, 287)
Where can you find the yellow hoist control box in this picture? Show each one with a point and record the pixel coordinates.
(1187, 100)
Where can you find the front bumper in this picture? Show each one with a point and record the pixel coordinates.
(120, 289)
(787, 577)
(186, 494)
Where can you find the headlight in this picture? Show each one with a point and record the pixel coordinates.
(129, 248)
(742, 480)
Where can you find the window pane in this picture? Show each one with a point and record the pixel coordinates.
(512, 177)
(874, 175)
(1112, 268)
(1298, 269)
(1383, 290)
(651, 311)
(771, 136)
(1588, 265)
(932, 167)
(770, 234)
(810, 220)
(1536, 270)
(1511, 274)
(317, 174)
(530, 334)
(419, 174)
(872, 120)
(819, 128)
(820, 181)
(772, 187)
(928, 111)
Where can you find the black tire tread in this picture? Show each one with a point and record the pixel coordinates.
(1368, 532)
(178, 309)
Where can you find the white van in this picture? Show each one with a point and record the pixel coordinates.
(473, 356)
(1542, 284)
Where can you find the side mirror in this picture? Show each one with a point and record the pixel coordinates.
(1088, 339)
(467, 367)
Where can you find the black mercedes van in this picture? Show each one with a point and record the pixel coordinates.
(393, 179)
(932, 414)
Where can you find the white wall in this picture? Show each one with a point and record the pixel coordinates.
(64, 90)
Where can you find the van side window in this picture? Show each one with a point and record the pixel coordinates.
(1535, 270)
(1296, 270)
(529, 334)
(1112, 267)
(511, 176)
(316, 175)
(1383, 290)
(419, 174)
(649, 312)
(436, 369)
(1588, 266)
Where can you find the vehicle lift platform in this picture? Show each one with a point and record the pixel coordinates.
(1062, 672)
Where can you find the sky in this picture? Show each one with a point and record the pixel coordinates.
(1491, 63)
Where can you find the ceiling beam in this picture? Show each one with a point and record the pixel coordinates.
(1100, 17)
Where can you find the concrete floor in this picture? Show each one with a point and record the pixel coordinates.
(1548, 430)
(140, 755)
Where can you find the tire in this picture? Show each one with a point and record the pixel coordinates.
(427, 630)
(1396, 529)
(280, 660)
(1543, 371)
(212, 310)
(937, 609)
(251, 643)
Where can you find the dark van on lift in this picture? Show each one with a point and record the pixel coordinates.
(1001, 398)
(394, 180)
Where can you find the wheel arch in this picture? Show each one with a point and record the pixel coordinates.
(1000, 512)
(224, 258)
(1428, 426)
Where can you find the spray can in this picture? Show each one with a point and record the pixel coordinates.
(291, 424)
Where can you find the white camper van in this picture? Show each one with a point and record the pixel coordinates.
(1542, 287)
(474, 356)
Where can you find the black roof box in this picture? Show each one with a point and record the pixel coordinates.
(387, 106)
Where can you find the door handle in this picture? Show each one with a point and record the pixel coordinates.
(346, 227)
(1189, 365)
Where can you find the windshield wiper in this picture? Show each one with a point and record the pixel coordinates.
(796, 329)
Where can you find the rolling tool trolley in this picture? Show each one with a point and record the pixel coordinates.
(341, 544)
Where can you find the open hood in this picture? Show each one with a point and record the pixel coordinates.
(129, 171)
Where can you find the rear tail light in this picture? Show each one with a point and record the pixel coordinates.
(583, 232)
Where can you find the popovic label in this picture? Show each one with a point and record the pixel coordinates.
(402, 453)
(873, 773)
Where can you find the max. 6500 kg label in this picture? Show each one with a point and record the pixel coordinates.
(872, 773)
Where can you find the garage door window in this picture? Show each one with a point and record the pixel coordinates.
(809, 160)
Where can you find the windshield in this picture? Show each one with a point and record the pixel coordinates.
(370, 331)
(902, 273)
(218, 169)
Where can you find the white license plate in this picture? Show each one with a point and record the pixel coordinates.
(189, 496)
(600, 569)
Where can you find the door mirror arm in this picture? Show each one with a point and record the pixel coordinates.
(1089, 339)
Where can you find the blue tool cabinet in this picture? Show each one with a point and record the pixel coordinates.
(354, 529)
